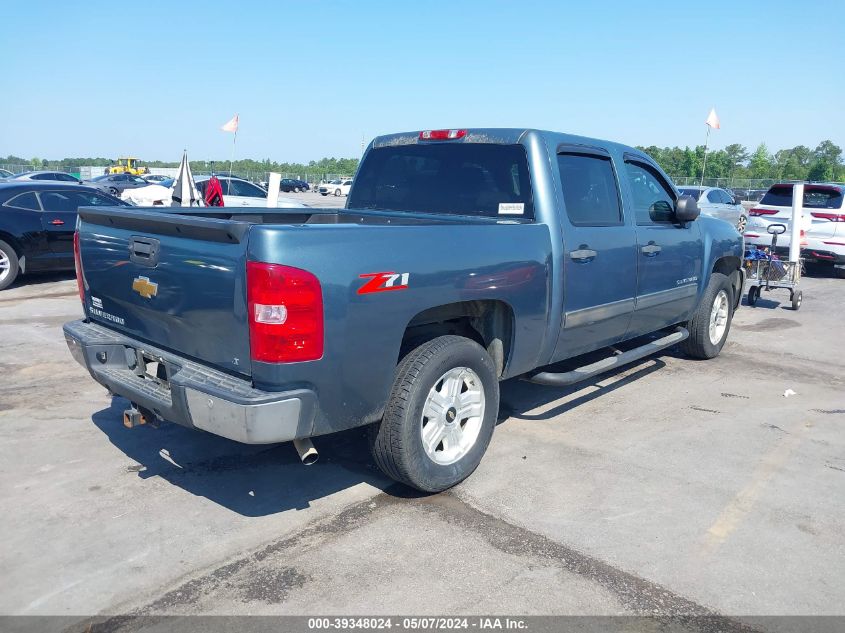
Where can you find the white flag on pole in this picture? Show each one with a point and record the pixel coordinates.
(232, 125)
(712, 119)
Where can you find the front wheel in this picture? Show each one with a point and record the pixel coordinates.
(796, 300)
(337, 193)
(741, 223)
(711, 322)
(440, 415)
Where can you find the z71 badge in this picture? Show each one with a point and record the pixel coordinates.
(382, 282)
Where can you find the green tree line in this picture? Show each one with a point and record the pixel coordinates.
(323, 166)
(824, 163)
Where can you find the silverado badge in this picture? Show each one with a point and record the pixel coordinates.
(144, 287)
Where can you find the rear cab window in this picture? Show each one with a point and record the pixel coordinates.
(475, 179)
(815, 197)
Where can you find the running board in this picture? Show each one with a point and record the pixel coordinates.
(553, 379)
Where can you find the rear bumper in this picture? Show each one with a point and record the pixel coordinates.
(195, 395)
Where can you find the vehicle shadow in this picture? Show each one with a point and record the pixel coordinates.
(35, 279)
(252, 480)
(519, 397)
(259, 480)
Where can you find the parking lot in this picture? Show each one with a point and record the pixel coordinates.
(672, 487)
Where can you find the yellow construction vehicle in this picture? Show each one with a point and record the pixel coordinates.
(127, 165)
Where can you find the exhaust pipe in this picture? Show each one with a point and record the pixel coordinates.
(307, 453)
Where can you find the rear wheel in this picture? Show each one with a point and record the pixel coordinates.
(440, 416)
(796, 299)
(337, 193)
(113, 191)
(741, 223)
(711, 322)
(9, 267)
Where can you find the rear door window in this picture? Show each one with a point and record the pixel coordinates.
(714, 197)
(478, 179)
(590, 192)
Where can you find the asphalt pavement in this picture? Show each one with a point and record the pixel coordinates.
(671, 487)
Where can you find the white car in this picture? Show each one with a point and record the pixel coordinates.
(336, 188)
(718, 203)
(242, 193)
(822, 223)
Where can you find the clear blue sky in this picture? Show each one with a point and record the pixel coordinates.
(310, 78)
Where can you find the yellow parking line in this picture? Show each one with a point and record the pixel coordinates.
(744, 500)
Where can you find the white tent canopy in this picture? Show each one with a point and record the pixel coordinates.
(185, 192)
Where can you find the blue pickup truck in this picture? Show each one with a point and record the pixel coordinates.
(462, 258)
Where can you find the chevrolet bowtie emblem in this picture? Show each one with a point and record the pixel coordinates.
(144, 287)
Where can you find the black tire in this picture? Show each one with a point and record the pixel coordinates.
(396, 442)
(742, 223)
(8, 276)
(324, 194)
(699, 344)
(839, 273)
(753, 295)
(113, 191)
(796, 299)
(337, 193)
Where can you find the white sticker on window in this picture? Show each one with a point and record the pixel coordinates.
(511, 208)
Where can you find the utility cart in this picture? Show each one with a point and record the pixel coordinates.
(764, 271)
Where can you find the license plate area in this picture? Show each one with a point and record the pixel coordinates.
(152, 367)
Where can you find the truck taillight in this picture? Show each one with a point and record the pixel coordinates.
(442, 135)
(759, 212)
(77, 260)
(285, 307)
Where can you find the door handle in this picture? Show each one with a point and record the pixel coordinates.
(651, 249)
(57, 222)
(583, 254)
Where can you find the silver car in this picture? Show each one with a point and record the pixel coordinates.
(58, 176)
(718, 203)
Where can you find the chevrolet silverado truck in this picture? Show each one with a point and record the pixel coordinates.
(462, 258)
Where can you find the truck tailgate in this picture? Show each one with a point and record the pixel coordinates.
(175, 280)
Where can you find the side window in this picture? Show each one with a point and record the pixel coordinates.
(589, 190)
(26, 201)
(89, 199)
(654, 200)
(714, 196)
(58, 201)
(41, 177)
(246, 189)
(726, 197)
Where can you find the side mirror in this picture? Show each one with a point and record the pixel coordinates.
(776, 229)
(686, 209)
